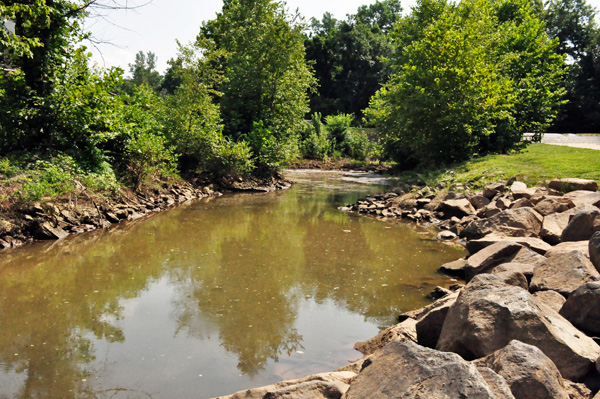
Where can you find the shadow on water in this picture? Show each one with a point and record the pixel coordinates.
(208, 298)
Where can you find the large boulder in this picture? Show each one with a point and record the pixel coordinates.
(519, 222)
(488, 314)
(550, 298)
(553, 227)
(319, 386)
(403, 331)
(525, 269)
(551, 205)
(584, 198)
(581, 226)
(456, 207)
(581, 246)
(490, 256)
(534, 243)
(409, 371)
(582, 308)
(572, 184)
(563, 272)
(454, 268)
(594, 249)
(529, 373)
(430, 324)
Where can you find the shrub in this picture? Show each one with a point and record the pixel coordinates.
(337, 127)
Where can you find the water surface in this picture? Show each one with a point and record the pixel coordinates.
(209, 298)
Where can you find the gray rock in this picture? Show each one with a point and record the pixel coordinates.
(529, 373)
(503, 203)
(520, 222)
(430, 324)
(488, 314)
(456, 207)
(553, 205)
(581, 226)
(533, 243)
(594, 250)
(582, 308)
(489, 257)
(566, 185)
(409, 371)
(319, 386)
(550, 298)
(563, 272)
(403, 331)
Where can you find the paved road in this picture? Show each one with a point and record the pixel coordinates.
(572, 140)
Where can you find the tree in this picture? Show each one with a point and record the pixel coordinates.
(349, 57)
(143, 71)
(572, 23)
(468, 78)
(259, 49)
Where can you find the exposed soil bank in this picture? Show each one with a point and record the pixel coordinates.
(82, 211)
(526, 324)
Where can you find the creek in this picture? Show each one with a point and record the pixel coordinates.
(211, 297)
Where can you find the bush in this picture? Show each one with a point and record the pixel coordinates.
(269, 153)
(358, 146)
(337, 127)
(314, 144)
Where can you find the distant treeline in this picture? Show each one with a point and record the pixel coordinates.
(440, 83)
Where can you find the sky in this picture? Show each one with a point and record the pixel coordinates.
(156, 26)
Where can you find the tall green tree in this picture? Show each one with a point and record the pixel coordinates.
(143, 70)
(350, 57)
(572, 23)
(468, 78)
(258, 48)
(266, 76)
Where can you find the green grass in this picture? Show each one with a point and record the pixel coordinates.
(535, 165)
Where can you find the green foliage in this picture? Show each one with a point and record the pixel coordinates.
(269, 154)
(337, 128)
(259, 50)
(358, 146)
(350, 57)
(314, 143)
(468, 78)
(143, 71)
(573, 24)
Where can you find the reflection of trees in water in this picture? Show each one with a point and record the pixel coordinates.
(239, 269)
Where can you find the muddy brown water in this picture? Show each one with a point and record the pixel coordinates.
(211, 297)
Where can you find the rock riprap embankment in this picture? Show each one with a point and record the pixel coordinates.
(527, 323)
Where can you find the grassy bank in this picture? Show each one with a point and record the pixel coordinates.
(535, 165)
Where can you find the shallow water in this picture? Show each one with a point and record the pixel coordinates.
(210, 298)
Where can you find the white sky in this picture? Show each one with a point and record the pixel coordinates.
(155, 27)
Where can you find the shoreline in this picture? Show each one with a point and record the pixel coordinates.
(519, 322)
(77, 213)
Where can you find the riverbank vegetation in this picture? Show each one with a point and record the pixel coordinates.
(534, 165)
(443, 82)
